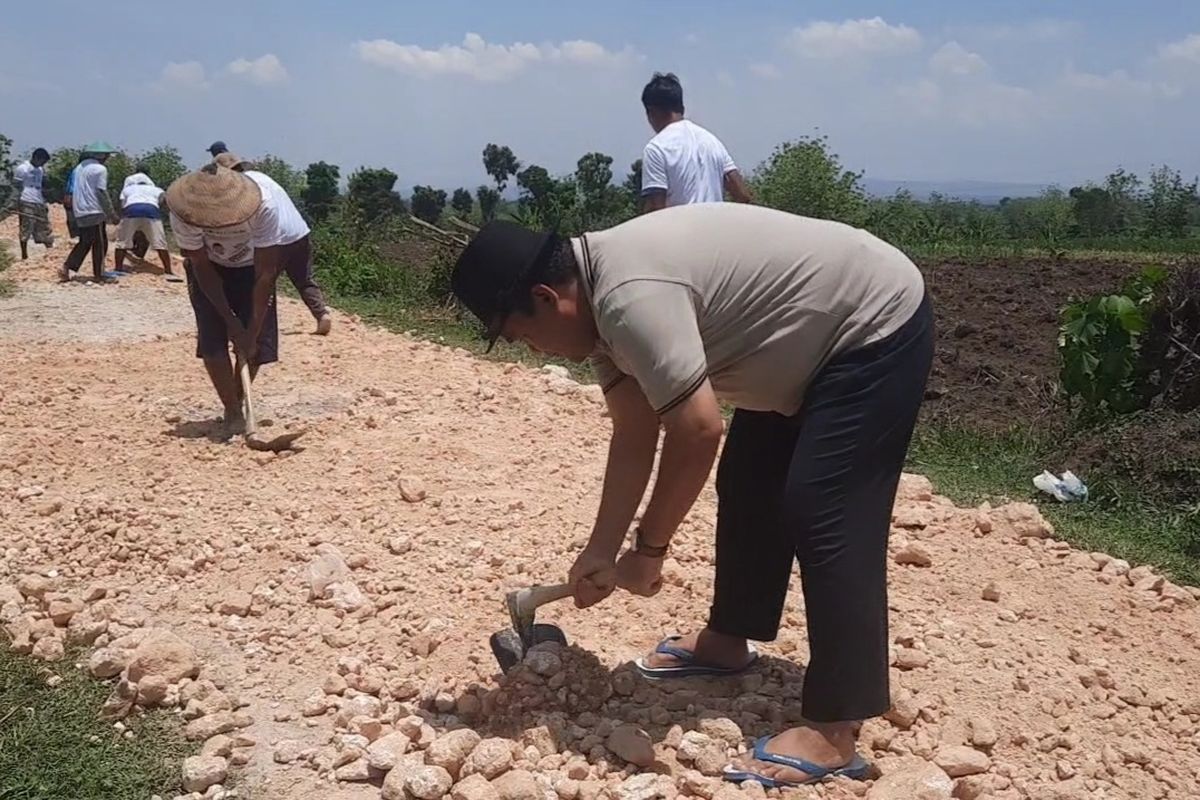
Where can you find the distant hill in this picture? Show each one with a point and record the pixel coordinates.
(983, 191)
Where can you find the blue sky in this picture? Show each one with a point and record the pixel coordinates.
(1002, 91)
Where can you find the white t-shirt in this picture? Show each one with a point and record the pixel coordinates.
(276, 222)
(29, 178)
(139, 189)
(91, 178)
(688, 162)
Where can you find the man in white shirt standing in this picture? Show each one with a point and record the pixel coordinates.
(237, 232)
(31, 204)
(683, 163)
(141, 211)
(92, 208)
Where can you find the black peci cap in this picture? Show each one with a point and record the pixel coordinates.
(493, 265)
(217, 147)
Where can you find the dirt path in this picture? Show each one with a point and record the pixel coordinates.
(1069, 683)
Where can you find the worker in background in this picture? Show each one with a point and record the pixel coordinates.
(299, 273)
(141, 212)
(93, 208)
(31, 203)
(68, 188)
(683, 163)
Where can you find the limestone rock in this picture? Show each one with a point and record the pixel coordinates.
(518, 784)
(49, 648)
(385, 751)
(450, 750)
(490, 758)
(201, 772)
(926, 782)
(474, 787)
(913, 554)
(960, 761)
(632, 744)
(163, 654)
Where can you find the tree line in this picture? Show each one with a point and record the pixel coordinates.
(804, 176)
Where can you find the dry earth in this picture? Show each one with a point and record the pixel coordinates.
(431, 484)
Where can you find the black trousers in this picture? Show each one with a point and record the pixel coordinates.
(819, 487)
(298, 264)
(95, 239)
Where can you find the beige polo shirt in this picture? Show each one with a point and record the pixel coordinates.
(754, 299)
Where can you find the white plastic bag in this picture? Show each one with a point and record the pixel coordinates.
(1066, 488)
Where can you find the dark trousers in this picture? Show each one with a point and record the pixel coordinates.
(298, 263)
(212, 336)
(819, 487)
(95, 239)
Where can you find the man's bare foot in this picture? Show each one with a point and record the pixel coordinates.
(831, 745)
(324, 325)
(64, 275)
(709, 648)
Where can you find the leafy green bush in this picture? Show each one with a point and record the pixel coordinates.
(1100, 342)
(806, 177)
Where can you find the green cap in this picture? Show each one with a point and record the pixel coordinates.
(100, 148)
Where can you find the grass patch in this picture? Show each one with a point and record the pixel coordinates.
(1119, 518)
(445, 327)
(53, 746)
(6, 259)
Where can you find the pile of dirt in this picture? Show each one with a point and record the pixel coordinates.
(338, 602)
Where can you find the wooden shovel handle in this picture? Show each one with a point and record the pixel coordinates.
(247, 398)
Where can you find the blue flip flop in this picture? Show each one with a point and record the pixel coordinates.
(687, 668)
(856, 769)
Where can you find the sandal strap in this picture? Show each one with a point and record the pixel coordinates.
(667, 649)
(807, 767)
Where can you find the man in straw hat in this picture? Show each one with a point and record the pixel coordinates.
(236, 233)
(301, 275)
(92, 208)
(821, 336)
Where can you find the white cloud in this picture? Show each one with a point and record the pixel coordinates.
(954, 59)
(691, 38)
(1117, 82)
(764, 70)
(484, 61)
(853, 37)
(263, 71)
(182, 75)
(975, 104)
(922, 97)
(1186, 50)
(1038, 30)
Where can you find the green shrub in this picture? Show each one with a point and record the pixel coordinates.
(1099, 343)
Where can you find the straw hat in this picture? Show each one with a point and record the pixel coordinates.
(214, 197)
(230, 161)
